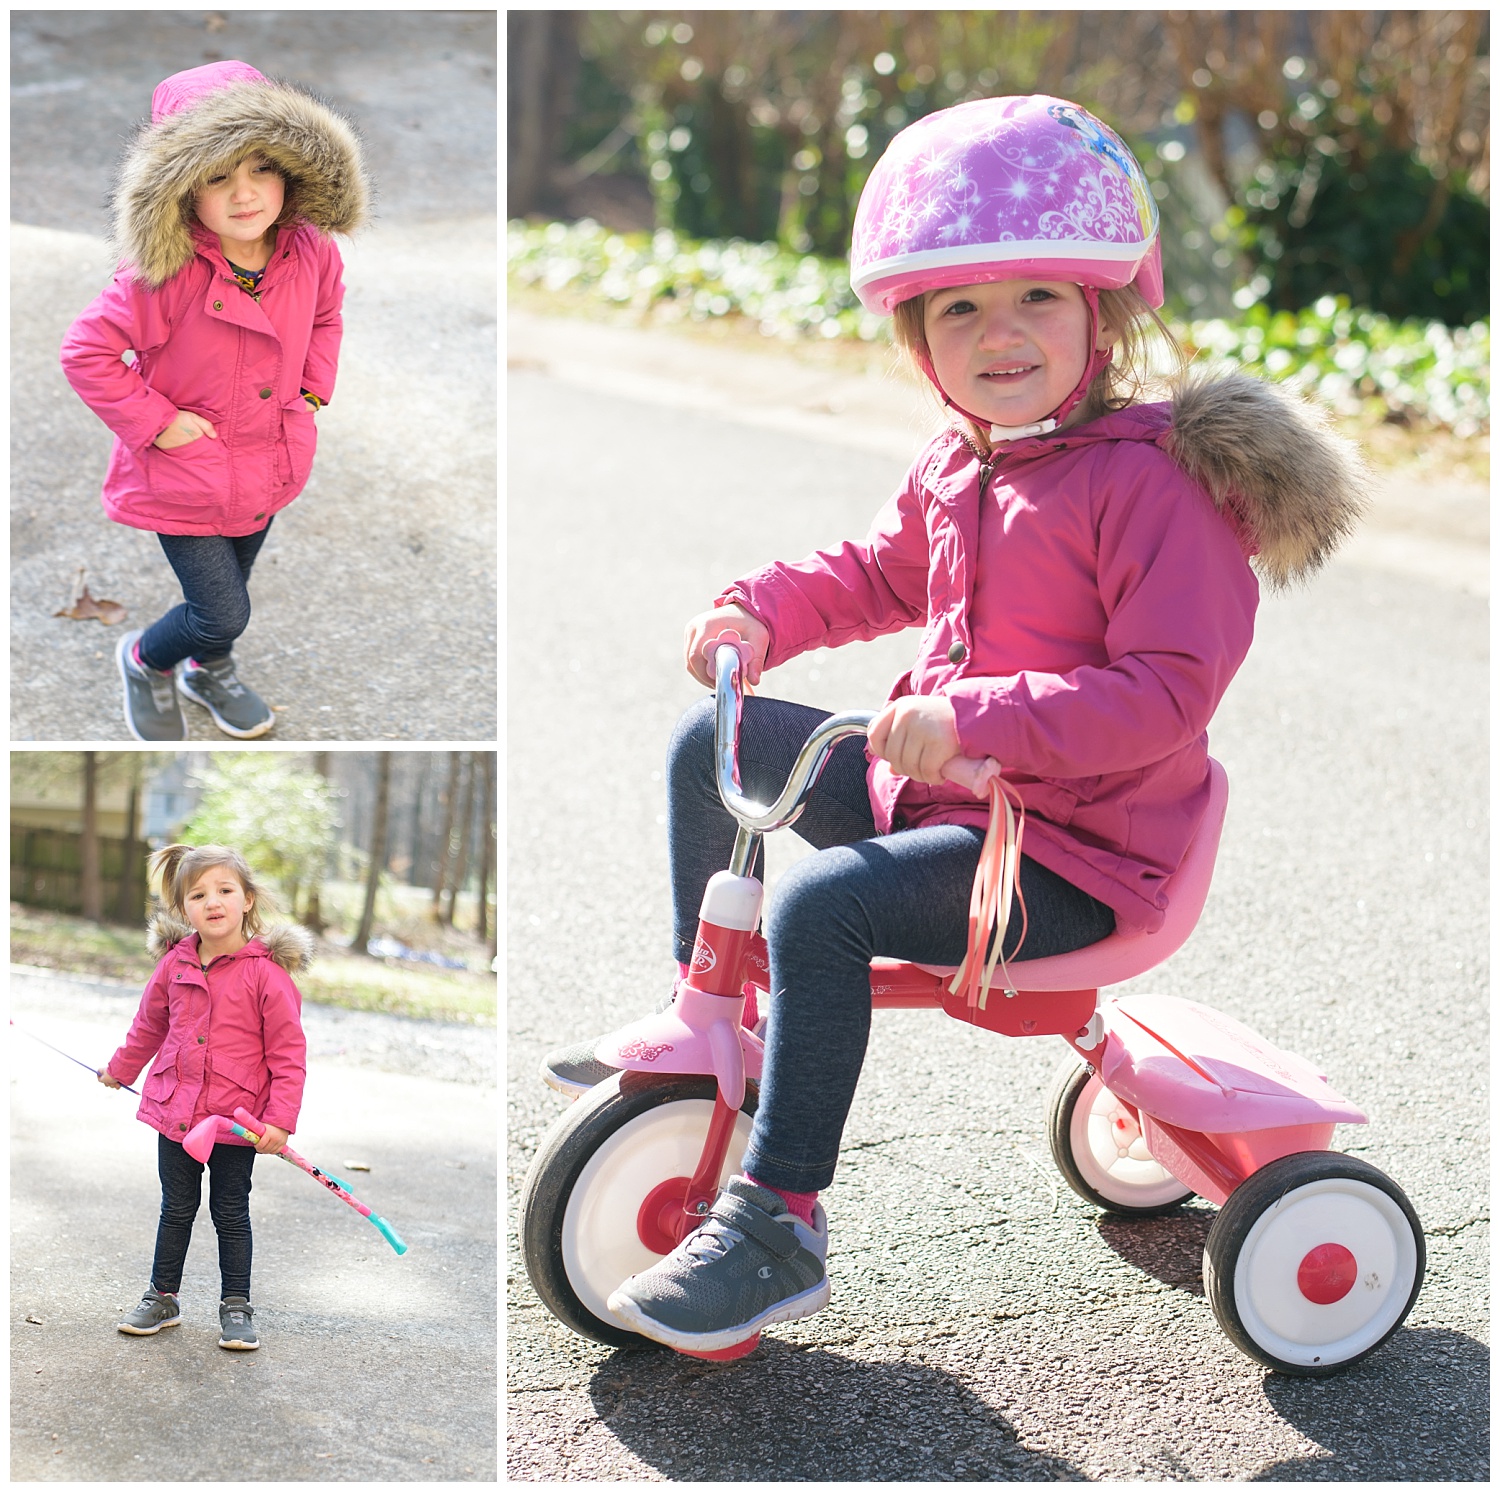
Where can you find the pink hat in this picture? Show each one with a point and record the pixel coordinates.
(183, 90)
(1003, 189)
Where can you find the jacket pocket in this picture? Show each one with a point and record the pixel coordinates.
(1056, 798)
(234, 1084)
(188, 481)
(161, 1082)
(299, 433)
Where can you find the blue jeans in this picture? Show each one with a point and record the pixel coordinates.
(229, 1168)
(214, 573)
(901, 895)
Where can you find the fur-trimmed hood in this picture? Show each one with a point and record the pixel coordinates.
(1296, 488)
(207, 119)
(288, 945)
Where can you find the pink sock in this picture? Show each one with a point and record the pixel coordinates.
(799, 1204)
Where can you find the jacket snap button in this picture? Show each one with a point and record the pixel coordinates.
(258, 517)
(956, 653)
(218, 305)
(182, 1126)
(201, 1040)
(265, 393)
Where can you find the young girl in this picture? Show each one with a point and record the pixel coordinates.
(227, 303)
(224, 1020)
(1079, 564)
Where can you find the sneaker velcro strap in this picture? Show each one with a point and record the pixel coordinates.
(750, 1220)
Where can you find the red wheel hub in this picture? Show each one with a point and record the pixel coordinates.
(664, 1219)
(1327, 1273)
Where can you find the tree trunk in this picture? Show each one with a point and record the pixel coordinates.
(377, 850)
(414, 833)
(542, 66)
(313, 917)
(129, 906)
(91, 884)
(465, 830)
(486, 847)
(445, 843)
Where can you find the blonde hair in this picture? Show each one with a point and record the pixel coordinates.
(1129, 376)
(177, 868)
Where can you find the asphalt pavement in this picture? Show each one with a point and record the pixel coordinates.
(372, 1366)
(374, 597)
(986, 1324)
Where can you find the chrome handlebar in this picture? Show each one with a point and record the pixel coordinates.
(752, 817)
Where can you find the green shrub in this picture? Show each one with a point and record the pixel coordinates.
(1357, 361)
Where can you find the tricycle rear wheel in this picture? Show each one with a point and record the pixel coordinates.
(1313, 1262)
(581, 1202)
(1097, 1145)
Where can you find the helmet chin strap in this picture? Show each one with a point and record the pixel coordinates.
(1099, 358)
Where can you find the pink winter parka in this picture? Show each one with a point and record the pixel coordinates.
(241, 361)
(197, 340)
(1086, 598)
(224, 1037)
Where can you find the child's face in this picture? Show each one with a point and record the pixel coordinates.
(1010, 352)
(242, 204)
(216, 904)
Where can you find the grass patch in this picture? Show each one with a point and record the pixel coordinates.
(73, 945)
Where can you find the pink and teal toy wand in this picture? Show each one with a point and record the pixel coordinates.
(202, 1138)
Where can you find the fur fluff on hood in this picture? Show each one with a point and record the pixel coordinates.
(288, 945)
(1297, 488)
(169, 160)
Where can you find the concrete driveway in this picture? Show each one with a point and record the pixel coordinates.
(985, 1323)
(375, 595)
(372, 1366)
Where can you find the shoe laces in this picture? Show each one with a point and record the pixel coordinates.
(711, 1241)
(226, 678)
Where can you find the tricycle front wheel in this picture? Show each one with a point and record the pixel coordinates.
(585, 1223)
(1313, 1262)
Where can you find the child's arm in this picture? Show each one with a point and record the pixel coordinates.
(846, 594)
(286, 1050)
(322, 362)
(147, 1032)
(124, 318)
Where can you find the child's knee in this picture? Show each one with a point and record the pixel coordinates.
(817, 900)
(692, 740)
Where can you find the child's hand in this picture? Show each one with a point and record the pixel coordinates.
(104, 1077)
(272, 1141)
(728, 618)
(185, 428)
(916, 735)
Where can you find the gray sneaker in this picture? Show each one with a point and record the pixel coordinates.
(151, 709)
(154, 1312)
(751, 1263)
(236, 1330)
(237, 709)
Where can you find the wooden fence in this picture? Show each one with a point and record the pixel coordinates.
(46, 870)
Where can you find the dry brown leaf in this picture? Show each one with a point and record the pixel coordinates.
(86, 607)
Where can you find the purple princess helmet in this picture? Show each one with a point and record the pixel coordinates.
(1004, 189)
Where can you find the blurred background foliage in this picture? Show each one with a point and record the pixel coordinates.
(1295, 155)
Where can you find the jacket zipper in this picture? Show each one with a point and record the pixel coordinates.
(986, 463)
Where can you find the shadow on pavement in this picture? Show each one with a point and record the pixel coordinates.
(814, 1415)
(1413, 1414)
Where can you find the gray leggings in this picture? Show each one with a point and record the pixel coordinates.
(902, 895)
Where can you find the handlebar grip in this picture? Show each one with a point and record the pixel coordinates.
(727, 638)
(974, 773)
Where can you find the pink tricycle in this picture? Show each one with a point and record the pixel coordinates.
(1314, 1260)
